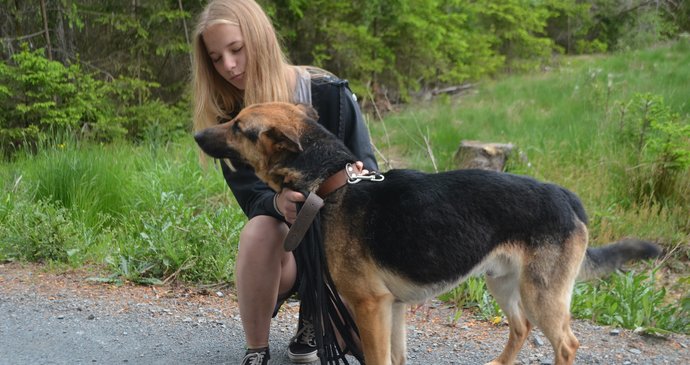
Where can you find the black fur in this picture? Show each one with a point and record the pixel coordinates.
(457, 226)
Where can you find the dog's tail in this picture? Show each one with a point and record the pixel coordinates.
(601, 261)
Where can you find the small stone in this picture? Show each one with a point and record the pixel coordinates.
(91, 317)
(635, 351)
(538, 341)
(615, 332)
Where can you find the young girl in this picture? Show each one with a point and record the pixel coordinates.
(238, 62)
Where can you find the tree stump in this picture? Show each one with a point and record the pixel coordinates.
(480, 155)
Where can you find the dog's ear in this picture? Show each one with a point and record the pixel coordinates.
(283, 139)
(309, 111)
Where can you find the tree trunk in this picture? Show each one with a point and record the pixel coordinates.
(44, 14)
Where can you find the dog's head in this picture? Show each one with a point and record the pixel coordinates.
(262, 135)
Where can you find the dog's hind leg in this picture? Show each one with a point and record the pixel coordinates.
(398, 334)
(546, 291)
(506, 291)
(552, 316)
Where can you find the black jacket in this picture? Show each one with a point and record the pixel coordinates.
(339, 113)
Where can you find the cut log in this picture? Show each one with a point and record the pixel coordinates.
(481, 155)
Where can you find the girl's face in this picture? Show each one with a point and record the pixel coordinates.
(225, 46)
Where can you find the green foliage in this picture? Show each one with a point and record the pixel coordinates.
(41, 98)
(175, 241)
(473, 294)
(632, 300)
(40, 232)
(90, 181)
(658, 143)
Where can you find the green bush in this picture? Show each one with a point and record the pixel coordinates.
(631, 300)
(39, 232)
(43, 100)
(658, 143)
(178, 241)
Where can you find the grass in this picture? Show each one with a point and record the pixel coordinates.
(147, 213)
(150, 214)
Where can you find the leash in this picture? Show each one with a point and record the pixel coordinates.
(303, 221)
(318, 294)
(314, 202)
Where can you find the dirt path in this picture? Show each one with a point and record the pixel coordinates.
(48, 318)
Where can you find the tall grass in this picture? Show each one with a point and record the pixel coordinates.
(148, 212)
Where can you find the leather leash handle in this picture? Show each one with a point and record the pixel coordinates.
(305, 217)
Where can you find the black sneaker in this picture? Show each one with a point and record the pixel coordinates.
(256, 357)
(302, 348)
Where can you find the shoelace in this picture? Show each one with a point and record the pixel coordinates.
(255, 358)
(306, 334)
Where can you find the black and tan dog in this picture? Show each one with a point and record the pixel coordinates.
(416, 235)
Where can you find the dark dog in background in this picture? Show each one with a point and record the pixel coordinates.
(416, 235)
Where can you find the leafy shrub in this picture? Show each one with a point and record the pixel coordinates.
(40, 231)
(631, 300)
(658, 142)
(177, 242)
(41, 99)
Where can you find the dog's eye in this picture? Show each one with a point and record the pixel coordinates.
(236, 128)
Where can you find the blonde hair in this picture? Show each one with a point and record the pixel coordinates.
(266, 69)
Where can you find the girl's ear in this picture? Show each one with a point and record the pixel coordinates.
(309, 111)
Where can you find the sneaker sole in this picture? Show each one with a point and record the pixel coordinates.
(303, 358)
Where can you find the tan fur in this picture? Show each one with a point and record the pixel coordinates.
(532, 286)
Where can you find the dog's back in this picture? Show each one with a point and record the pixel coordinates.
(438, 227)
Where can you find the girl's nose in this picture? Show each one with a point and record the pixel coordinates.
(229, 62)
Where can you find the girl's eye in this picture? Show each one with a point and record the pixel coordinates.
(237, 50)
(215, 59)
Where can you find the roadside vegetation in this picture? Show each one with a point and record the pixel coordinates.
(98, 167)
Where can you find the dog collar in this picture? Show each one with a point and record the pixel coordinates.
(338, 180)
(351, 174)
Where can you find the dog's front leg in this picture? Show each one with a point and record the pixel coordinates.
(374, 319)
(398, 334)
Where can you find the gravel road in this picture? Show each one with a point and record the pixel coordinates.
(49, 318)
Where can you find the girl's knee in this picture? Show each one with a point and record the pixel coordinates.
(263, 230)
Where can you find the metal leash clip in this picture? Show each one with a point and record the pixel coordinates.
(353, 178)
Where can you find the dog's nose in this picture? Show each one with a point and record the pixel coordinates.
(199, 137)
(214, 143)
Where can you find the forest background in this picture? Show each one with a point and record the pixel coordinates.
(98, 167)
(121, 68)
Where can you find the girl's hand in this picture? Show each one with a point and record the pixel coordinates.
(285, 202)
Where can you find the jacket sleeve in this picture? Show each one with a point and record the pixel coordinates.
(339, 113)
(253, 195)
(356, 133)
